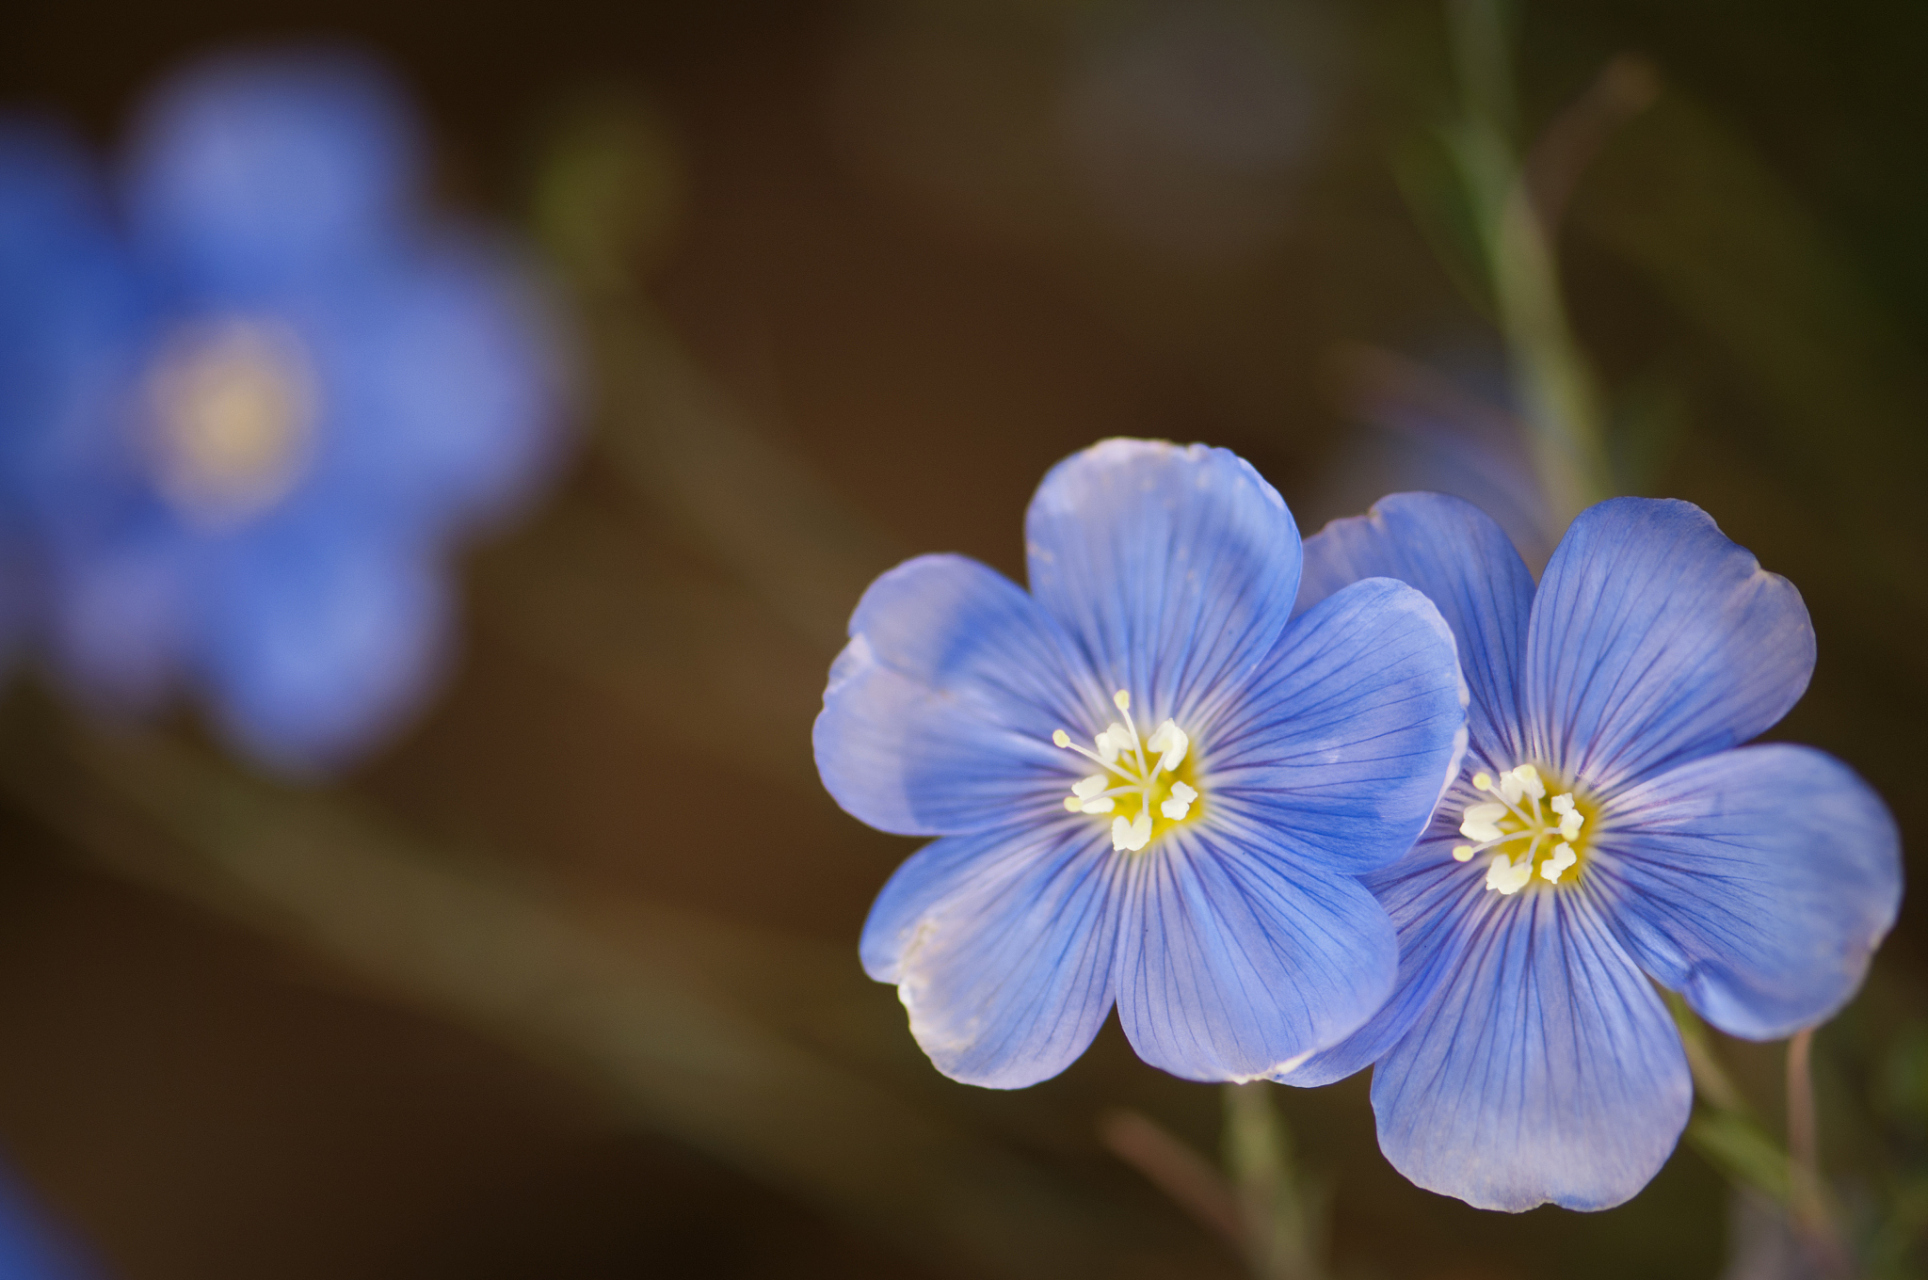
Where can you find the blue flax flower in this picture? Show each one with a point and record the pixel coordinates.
(269, 394)
(1609, 832)
(1197, 863)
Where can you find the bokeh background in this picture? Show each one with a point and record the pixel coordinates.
(562, 981)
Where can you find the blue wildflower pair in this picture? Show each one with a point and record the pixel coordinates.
(250, 399)
(1282, 773)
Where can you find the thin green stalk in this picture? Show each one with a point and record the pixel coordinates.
(1808, 1204)
(1282, 1235)
(1551, 378)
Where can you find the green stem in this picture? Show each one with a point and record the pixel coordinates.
(1808, 1206)
(1551, 378)
(1280, 1233)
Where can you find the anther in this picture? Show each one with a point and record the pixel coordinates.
(1131, 768)
(1515, 815)
(1180, 802)
(1507, 876)
(1563, 857)
(1172, 741)
(1480, 821)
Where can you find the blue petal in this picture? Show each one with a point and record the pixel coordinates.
(315, 648)
(1233, 962)
(1655, 640)
(1454, 553)
(253, 170)
(1756, 882)
(70, 319)
(1173, 568)
(1337, 755)
(1431, 899)
(1001, 947)
(939, 712)
(446, 386)
(119, 614)
(1546, 1069)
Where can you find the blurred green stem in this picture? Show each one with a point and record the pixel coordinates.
(1711, 1080)
(606, 202)
(1278, 1212)
(1551, 379)
(1187, 1178)
(1808, 1207)
(1724, 1128)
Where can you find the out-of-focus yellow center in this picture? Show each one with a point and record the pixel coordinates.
(234, 409)
(1145, 784)
(1526, 829)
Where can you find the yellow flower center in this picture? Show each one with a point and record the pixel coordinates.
(1532, 832)
(1146, 784)
(234, 411)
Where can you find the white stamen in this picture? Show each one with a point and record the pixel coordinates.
(1179, 744)
(1132, 767)
(1507, 876)
(1563, 857)
(1131, 836)
(1180, 803)
(1480, 821)
(1516, 815)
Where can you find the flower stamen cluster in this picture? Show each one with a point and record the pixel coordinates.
(234, 410)
(1145, 769)
(1515, 814)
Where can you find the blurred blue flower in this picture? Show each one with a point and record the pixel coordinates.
(1608, 829)
(268, 403)
(1196, 863)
